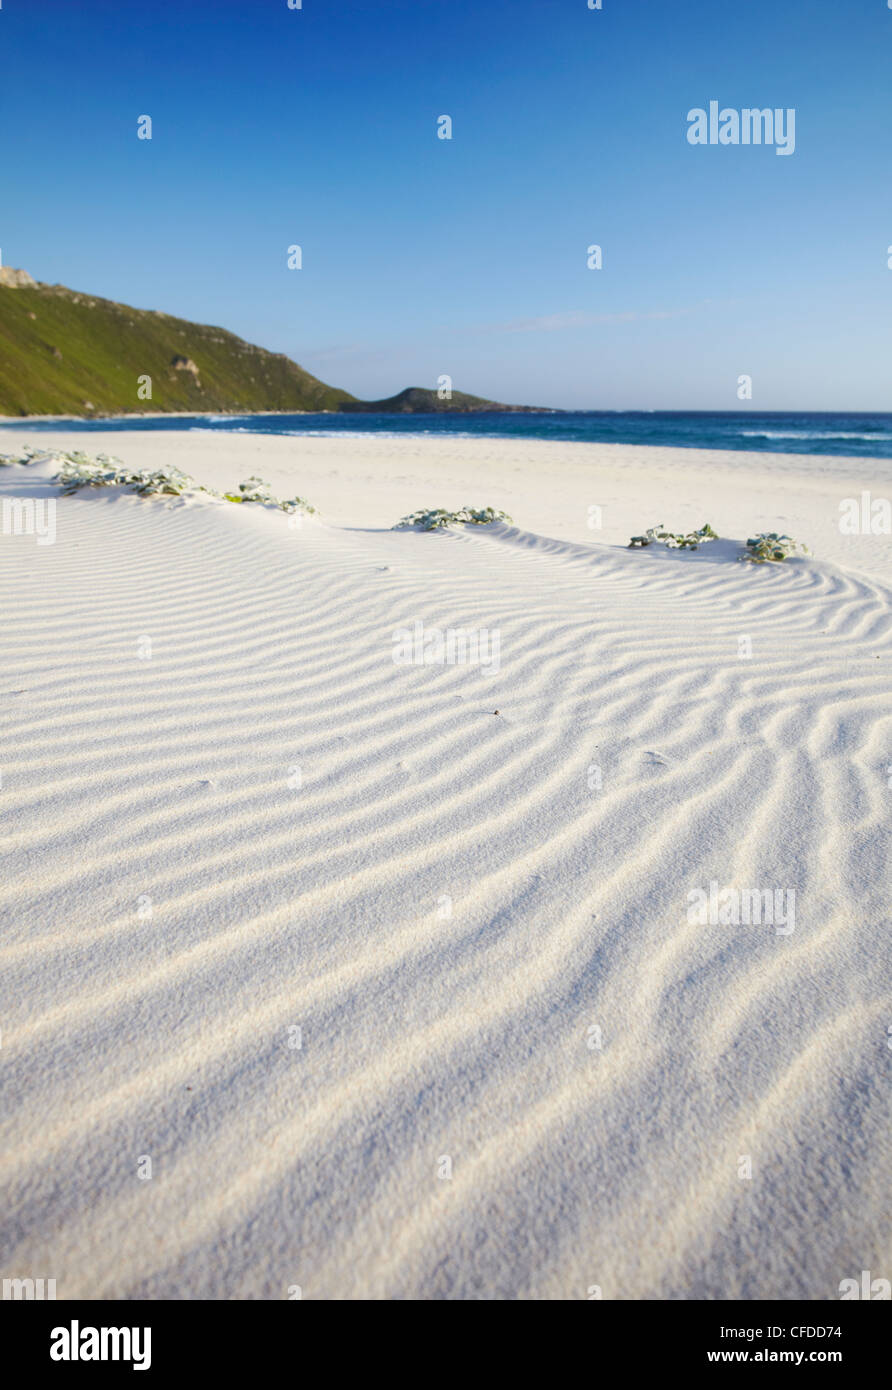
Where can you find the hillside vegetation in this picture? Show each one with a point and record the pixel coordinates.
(67, 353)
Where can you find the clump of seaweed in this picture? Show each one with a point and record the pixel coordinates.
(254, 489)
(769, 546)
(79, 470)
(673, 540)
(28, 455)
(433, 519)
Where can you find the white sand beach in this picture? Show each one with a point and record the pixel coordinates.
(390, 970)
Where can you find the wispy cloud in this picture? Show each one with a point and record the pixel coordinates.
(335, 353)
(557, 323)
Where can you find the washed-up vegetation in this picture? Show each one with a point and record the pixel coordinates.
(673, 540)
(77, 470)
(761, 548)
(433, 519)
(769, 546)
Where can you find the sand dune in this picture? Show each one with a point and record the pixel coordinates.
(468, 888)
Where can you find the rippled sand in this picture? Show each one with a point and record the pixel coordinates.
(522, 1071)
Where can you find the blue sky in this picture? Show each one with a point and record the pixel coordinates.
(468, 257)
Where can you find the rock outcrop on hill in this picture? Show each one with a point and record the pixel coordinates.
(15, 279)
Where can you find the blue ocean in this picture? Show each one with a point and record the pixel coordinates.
(857, 435)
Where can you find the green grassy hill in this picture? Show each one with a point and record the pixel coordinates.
(64, 353)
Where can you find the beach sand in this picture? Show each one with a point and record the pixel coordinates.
(387, 973)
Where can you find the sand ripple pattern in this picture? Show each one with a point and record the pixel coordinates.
(257, 830)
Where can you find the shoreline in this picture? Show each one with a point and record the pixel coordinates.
(767, 435)
(545, 410)
(157, 415)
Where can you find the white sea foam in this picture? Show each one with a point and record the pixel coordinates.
(816, 434)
